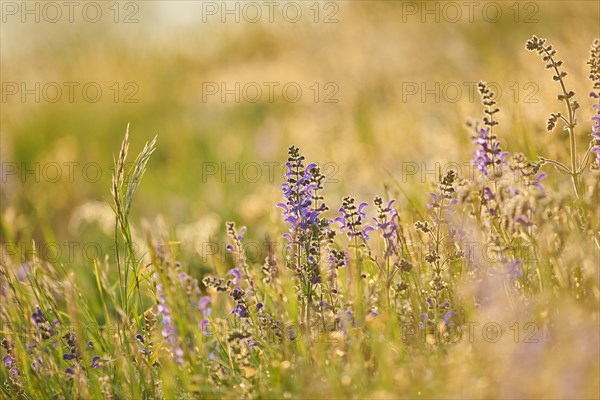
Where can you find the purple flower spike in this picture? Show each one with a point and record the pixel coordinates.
(488, 155)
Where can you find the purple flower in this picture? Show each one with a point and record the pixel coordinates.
(22, 272)
(241, 233)
(68, 356)
(69, 371)
(488, 154)
(169, 331)
(241, 311)
(204, 326)
(447, 316)
(90, 344)
(299, 209)
(235, 272)
(387, 223)
(538, 181)
(38, 316)
(37, 364)
(596, 134)
(425, 319)
(95, 362)
(514, 269)
(8, 361)
(352, 219)
(203, 302)
(251, 344)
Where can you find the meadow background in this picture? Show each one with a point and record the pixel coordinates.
(153, 61)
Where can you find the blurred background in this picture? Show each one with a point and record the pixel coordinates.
(376, 92)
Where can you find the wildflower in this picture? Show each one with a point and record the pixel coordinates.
(95, 362)
(447, 316)
(594, 63)
(73, 354)
(596, 135)
(42, 324)
(337, 259)
(514, 269)
(297, 192)
(37, 365)
(202, 304)
(488, 157)
(169, 331)
(387, 223)
(241, 308)
(205, 310)
(8, 361)
(425, 319)
(235, 272)
(442, 202)
(352, 219)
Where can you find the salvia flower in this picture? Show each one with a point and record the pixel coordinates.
(205, 310)
(442, 203)
(596, 135)
(42, 324)
(488, 157)
(352, 219)
(447, 318)
(594, 63)
(8, 361)
(387, 222)
(169, 331)
(300, 193)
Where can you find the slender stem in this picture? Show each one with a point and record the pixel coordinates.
(559, 165)
(570, 128)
